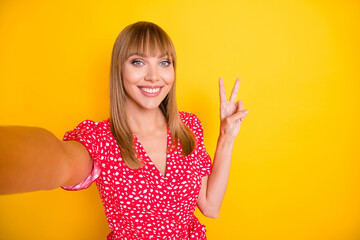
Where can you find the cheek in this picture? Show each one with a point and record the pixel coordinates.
(126, 86)
(169, 77)
(131, 77)
(129, 83)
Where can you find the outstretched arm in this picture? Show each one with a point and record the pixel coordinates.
(214, 186)
(34, 159)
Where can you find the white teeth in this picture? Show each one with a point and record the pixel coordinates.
(150, 90)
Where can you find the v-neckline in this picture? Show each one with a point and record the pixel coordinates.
(148, 159)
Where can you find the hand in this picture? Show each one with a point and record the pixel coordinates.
(231, 112)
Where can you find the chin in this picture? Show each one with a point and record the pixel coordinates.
(149, 105)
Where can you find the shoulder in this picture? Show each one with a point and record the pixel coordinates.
(188, 117)
(88, 128)
(89, 124)
(192, 121)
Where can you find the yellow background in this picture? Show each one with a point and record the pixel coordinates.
(295, 173)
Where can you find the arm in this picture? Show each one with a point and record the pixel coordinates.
(34, 159)
(214, 186)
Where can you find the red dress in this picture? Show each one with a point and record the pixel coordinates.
(142, 203)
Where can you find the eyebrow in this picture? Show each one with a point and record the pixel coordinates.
(143, 55)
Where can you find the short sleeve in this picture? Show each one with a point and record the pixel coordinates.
(86, 133)
(204, 159)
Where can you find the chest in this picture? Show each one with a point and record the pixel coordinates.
(142, 197)
(147, 190)
(155, 150)
(144, 192)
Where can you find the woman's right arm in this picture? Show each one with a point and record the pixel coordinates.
(34, 159)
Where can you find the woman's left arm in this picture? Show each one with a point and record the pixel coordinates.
(213, 186)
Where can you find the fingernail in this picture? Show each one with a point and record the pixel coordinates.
(247, 111)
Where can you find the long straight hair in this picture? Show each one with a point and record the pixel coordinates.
(143, 37)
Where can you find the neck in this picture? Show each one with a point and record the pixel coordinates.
(142, 120)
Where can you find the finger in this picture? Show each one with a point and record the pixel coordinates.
(237, 116)
(243, 118)
(222, 91)
(235, 90)
(241, 103)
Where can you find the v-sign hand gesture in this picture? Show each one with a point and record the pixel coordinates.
(231, 112)
(214, 186)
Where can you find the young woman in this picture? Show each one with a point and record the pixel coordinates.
(148, 160)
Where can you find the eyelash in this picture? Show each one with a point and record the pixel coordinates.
(135, 62)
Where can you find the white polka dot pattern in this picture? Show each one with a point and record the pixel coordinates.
(142, 203)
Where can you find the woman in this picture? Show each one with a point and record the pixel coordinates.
(148, 160)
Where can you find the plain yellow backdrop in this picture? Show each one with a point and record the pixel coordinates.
(295, 173)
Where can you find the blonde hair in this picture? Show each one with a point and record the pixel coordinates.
(143, 37)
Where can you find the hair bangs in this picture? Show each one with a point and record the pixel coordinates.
(145, 39)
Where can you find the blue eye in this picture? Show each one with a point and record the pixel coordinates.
(165, 63)
(137, 62)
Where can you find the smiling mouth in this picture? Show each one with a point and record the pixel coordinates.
(150, 90)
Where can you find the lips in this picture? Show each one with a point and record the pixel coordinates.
(150, 91)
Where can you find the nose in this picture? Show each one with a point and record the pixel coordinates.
(152, 74)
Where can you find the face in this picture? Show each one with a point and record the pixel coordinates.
(147, 79)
